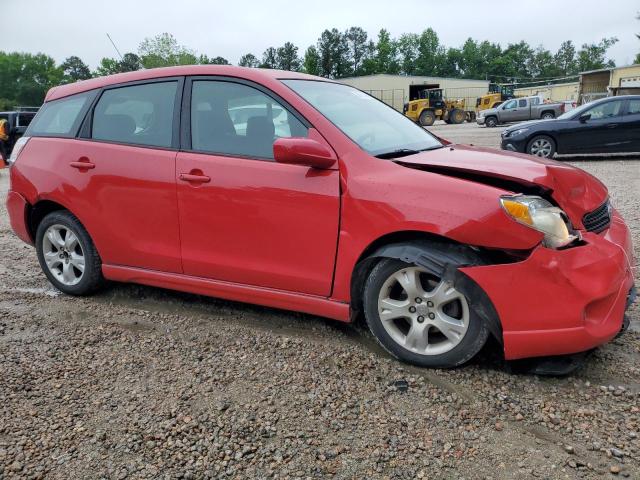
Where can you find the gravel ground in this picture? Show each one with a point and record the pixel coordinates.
(137, 382)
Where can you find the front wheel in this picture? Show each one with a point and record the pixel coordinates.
(427, 118)
(491, 122)
(67, 254)
(421, 318)
(541, 146)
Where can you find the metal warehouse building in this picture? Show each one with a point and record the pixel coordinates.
(554, 93)
(396, 90)
(609, 81)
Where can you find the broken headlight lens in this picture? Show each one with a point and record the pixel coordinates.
(539, 214)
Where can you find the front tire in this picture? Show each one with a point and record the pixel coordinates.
(420, 318)
(67, 254)
(427, 118)
(541, 146)
(491, 122)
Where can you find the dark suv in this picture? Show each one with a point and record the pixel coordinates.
(18, 120)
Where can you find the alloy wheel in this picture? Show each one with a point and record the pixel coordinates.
(423, 313)
(541, 147)
(63, 254)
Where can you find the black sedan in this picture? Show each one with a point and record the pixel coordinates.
(609, 125)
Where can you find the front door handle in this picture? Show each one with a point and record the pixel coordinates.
(194, 177)
(612, 125)
(82, 164)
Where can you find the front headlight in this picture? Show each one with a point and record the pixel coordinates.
(539, 214)
(517, 132)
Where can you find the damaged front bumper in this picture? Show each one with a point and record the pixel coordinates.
(559, 302)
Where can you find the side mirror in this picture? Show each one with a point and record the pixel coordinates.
(584, 118)
(303, 151)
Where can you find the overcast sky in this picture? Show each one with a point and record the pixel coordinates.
(231, 28)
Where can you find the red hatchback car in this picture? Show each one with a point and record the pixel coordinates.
(296, 192)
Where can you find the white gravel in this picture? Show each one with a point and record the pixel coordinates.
(139, 382)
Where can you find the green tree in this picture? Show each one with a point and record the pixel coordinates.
(542, 64)
(357, 42)
(164, 51)
(75, 69)
(333, 50)
(311, 62)
(592, 56)
(430, 53)
(408, 50)
(108, 66)
(269, 58)
(386, 57)
(130, 63)
(205, 60)
(25, 78)
(287, 57)
(565, 58)
(249, 60)
(637, 60)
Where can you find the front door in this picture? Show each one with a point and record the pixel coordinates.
(601, 133)
(243, 217)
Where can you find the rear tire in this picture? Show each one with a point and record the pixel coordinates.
(541, 146)
(548, 116)
(491, 122)
(67, 254)
(427, 118)
(441, 330)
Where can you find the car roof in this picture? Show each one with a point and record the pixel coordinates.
(255, 74)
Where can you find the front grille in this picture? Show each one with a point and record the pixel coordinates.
(599, 219)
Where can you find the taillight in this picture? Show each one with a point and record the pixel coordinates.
(563, 107)
(17, 148)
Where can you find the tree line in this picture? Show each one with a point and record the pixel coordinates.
(25, 78)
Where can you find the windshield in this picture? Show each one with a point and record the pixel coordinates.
(374, 126)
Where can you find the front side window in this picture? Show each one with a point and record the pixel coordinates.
(605, 110)
(510, 104)
(376, 127)
(236, 119)
(138, 115)
(60, 118)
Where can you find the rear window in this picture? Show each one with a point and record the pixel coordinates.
(60, 118)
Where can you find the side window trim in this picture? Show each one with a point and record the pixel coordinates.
(185, 120)
(85, 131)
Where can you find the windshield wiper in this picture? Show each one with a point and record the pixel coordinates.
(401, 152)
(405, 152)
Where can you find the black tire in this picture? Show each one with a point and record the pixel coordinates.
(491, 122)
(472, 342)
(91, 279)
(457, 116)
(548, 116)
(537, 140)
(427, 118)
(471, 117)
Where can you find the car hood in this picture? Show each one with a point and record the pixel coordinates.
(574, 190)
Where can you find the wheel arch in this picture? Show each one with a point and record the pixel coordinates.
(548, 111)
(417, 247)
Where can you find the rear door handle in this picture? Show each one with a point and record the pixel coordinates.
(194, 178)
(82, 164)
(612, 125)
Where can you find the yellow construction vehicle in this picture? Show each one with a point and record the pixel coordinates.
(431, 106)
(497, 94)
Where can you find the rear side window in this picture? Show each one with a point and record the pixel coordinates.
(522, 103)
(61, 118)
(138, 114)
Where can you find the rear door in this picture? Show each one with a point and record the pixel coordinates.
(243, 217)
(122, 174)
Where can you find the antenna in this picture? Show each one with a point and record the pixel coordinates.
(114, 46)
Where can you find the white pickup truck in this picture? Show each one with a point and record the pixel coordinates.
(520, 110)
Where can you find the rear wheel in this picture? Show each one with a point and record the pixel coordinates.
(427, 118)
(548, 115)
(541, 146)
(67, 254)
(421, 318)
(491, 122)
